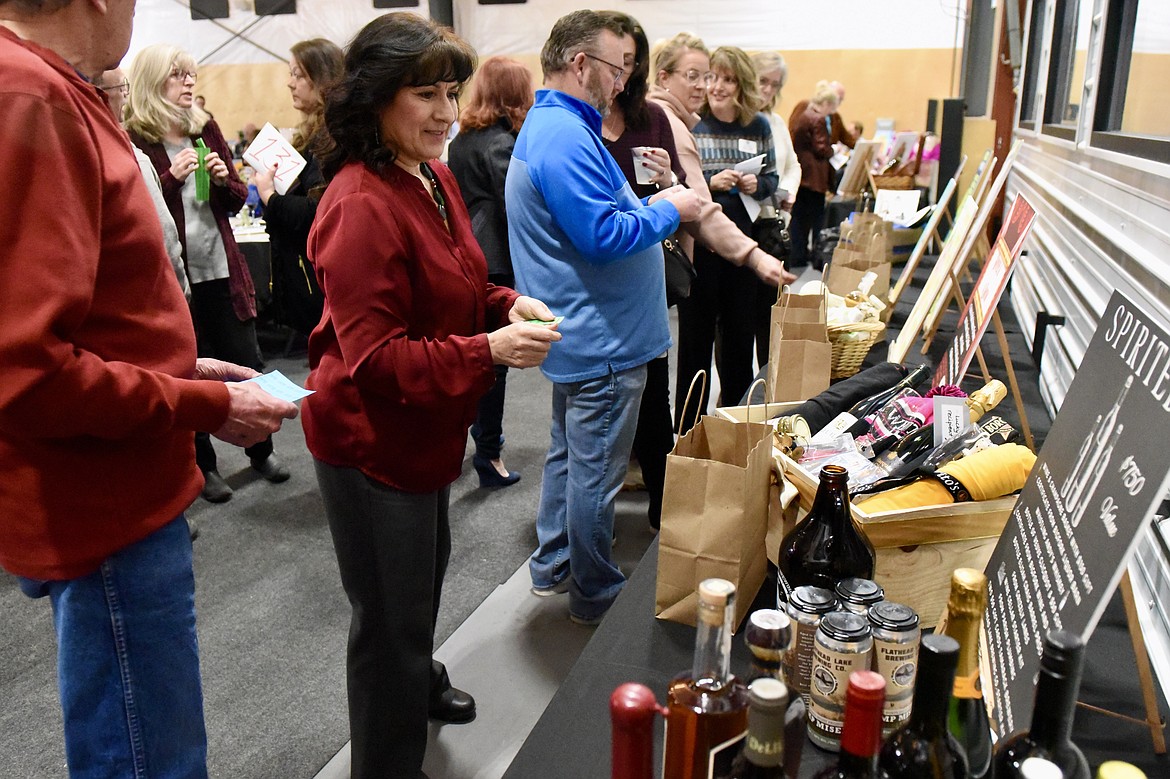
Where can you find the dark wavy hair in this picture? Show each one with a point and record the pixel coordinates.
(393, 51)
(632, 99)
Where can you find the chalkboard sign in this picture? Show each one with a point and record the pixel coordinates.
(1098, 480)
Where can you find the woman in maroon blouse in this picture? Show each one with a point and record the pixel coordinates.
(634, 122)
(407, 344)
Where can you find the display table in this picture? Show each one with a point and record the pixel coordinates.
(572, 737)
(253, 242)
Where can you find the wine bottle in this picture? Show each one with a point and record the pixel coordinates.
(631, 712)
(1052, 713)
(769, 636)
(707, 706)
(862, 732)
(923, 748)
(763, 749)
(828, 545)
(847, 420)
(1116, 769)
(968, 720)
(917, 445)
(990, 431)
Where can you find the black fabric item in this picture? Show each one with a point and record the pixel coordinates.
(287, 220)
(479, 159)
(821, 410)
(680, 272)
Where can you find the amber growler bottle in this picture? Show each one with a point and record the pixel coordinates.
(828, 545)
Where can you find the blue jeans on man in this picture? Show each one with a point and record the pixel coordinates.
(128, 662)
(593, 426)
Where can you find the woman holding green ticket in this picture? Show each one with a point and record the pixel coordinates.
(201, 190)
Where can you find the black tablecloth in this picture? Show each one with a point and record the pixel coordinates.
(572, 738)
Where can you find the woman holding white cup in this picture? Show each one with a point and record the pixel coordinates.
(638, 135)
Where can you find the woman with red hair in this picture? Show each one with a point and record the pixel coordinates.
(500, 98)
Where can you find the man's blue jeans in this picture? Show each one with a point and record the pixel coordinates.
(128, 662)
(593, 425)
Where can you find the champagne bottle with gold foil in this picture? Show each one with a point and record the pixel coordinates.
(967, 719)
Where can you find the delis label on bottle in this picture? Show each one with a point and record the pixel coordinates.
(897, 662)
(798, 661)
(830, 679)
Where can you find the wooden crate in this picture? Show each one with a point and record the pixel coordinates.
(917, 549)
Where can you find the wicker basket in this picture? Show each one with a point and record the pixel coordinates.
(849, 353)
(895, 181)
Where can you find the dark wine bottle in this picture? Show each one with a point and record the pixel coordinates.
(968, 720)
(763, 749)
(769, 636)
(861, 733)
(913, 449)
(923, 748)
(631, 711)
(867, 406)
(828, 545)
(1052, 713)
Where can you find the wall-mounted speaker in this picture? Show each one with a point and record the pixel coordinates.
(274, 7)
(209, 9)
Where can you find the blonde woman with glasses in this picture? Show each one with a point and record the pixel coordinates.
(681, 72)
(164, 122)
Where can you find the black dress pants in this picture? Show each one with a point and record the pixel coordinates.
(392, 551)
(654, 437)
(223, 336)
(722, 303)
(808, 212)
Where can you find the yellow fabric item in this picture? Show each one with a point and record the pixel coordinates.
(991, 473)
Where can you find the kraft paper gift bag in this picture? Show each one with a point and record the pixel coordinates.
(714, 515)
(799, 353)
(850, 264)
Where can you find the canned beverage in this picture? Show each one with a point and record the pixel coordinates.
(806, 606)
(844, 644)
(857, 595)
(895, 656)
(769, 635)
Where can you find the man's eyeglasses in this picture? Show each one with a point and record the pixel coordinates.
(124, 88)
(697, 77)
(620, 72)
(183, 75)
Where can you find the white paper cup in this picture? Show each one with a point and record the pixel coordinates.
(641, 173)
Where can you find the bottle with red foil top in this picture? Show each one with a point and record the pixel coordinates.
(632, 708)
(862, 732)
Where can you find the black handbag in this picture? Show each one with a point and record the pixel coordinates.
(680, 272)
(772, 236)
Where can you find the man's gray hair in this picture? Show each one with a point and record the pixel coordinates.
(573, 33)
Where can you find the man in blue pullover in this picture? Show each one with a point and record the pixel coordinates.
(583, 242)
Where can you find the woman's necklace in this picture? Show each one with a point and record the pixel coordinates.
(436, 193)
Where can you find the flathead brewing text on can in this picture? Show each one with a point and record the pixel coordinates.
(895, 657)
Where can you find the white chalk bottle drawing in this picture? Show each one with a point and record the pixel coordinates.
(1091, 467)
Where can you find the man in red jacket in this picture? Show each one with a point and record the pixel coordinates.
(101, 392)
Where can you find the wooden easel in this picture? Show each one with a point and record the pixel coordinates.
(1153, 720)
(930, 235)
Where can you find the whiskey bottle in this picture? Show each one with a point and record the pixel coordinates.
(967, 719)
(828, 545)
(1052, 714)
(707, 706)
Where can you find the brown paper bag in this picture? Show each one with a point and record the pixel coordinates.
(799, 353)
(849, 265)
(714, 515)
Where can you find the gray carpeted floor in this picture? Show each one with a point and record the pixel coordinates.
(272, 617)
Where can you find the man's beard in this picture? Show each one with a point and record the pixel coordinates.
(598, 94)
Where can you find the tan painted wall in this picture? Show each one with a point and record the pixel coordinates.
(894, 83)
